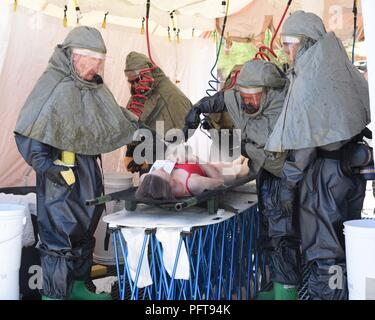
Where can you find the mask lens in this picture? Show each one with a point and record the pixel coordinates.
(87, 67)
(251, 98)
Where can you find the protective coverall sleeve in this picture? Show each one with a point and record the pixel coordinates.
(293, 172)
(36, 154)
(214, 104)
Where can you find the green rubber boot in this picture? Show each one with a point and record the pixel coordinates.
(48, 298)
(266, 295)
(284, 291)
(80, 292)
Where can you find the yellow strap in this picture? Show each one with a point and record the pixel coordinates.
(68, 175)
(143, 26)
(104, 24)
(68, 158)
(65, 20)
(169, 34)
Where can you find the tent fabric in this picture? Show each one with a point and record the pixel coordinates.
(188, 14)
(40, 33)
(250, 23)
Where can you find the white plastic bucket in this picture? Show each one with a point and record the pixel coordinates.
(113, 182)
(12, 222)
(360, 258)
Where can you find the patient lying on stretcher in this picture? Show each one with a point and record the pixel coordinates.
(189, 177)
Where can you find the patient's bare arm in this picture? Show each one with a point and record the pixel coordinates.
(229, 172)
(198, 184)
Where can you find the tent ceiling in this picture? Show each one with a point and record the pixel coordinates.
(197, 14)
(248, 19)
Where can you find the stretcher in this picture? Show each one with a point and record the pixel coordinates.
(211, 199)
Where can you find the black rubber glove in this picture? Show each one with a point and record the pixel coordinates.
(135, 167)
(192, 119)
(142, 168)
(206, 125)
(53, 174)
(130, 148)
(132, 165)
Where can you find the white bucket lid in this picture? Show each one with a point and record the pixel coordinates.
(118, 178)
(10, 210)
(363, 227)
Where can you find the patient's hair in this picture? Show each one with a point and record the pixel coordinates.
(155, 188)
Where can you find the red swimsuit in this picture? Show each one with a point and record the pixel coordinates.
(190, 168)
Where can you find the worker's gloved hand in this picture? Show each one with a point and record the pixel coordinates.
(206, 124)
(192, 119)
(287, 200)
(130, 164)
(185, 130)
(133, 167)
(130, 148)
(157, 142)
(53, 173)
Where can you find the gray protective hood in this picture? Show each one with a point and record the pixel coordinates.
(72, 114)
(256, 128)
(304, 24)
(258, 73)
(165, 101)
(328, 99)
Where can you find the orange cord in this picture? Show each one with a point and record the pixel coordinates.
(262, 54)
(233, 80)
(138, 99)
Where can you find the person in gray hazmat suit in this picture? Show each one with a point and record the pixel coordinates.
(254, 104)
(70, 112)
(322, 125)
